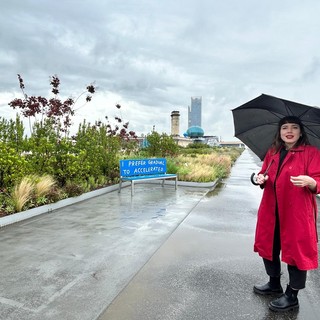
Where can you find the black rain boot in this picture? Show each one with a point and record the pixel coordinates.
(287, 301)
(273, 287)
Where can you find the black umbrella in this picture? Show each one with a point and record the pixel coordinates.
(256, 121)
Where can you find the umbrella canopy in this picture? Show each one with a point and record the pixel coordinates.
(256, 122)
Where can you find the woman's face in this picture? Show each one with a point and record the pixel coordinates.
(290, 134)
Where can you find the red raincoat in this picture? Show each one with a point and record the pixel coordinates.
(297, 208)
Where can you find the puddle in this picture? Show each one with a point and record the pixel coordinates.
(216, 190)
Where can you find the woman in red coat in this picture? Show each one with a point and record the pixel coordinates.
(287, 214)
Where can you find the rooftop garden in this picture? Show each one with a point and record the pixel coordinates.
(49, 164)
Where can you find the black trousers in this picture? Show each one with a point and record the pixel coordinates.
(297, 278)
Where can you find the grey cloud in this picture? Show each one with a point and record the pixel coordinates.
(155, 55)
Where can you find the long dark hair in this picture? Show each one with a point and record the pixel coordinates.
(303, 140)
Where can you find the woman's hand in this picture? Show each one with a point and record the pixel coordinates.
(261, 179)
(304, 181)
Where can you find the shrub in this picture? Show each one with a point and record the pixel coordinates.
(73, 189)
(55, 194)
(161, 145)
(13, 166)
(172, 166)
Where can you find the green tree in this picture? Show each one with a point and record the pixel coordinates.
(13, 164)
(12, 133)
(100, 149)
(169, 147)
(161, 145)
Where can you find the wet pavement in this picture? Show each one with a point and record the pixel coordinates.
(163, 254)
(71, 263)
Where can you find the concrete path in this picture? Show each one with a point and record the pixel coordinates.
(71, 263)
(163, 254)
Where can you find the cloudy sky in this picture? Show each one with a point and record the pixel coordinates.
(152, 56)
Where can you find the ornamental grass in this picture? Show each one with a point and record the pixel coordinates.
(203, 167)
(22, 193)
(43, 186)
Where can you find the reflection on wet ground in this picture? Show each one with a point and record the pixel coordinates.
(214, 192)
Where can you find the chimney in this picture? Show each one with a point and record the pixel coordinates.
(175, 123)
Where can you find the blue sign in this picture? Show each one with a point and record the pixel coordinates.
(136, 167)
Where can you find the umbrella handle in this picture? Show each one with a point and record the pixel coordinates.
(253, 180)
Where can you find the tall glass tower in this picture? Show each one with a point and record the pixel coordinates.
(194, 112)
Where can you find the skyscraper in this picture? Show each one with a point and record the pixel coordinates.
(194, 112)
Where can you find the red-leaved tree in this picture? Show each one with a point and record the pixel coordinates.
(55, 110)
